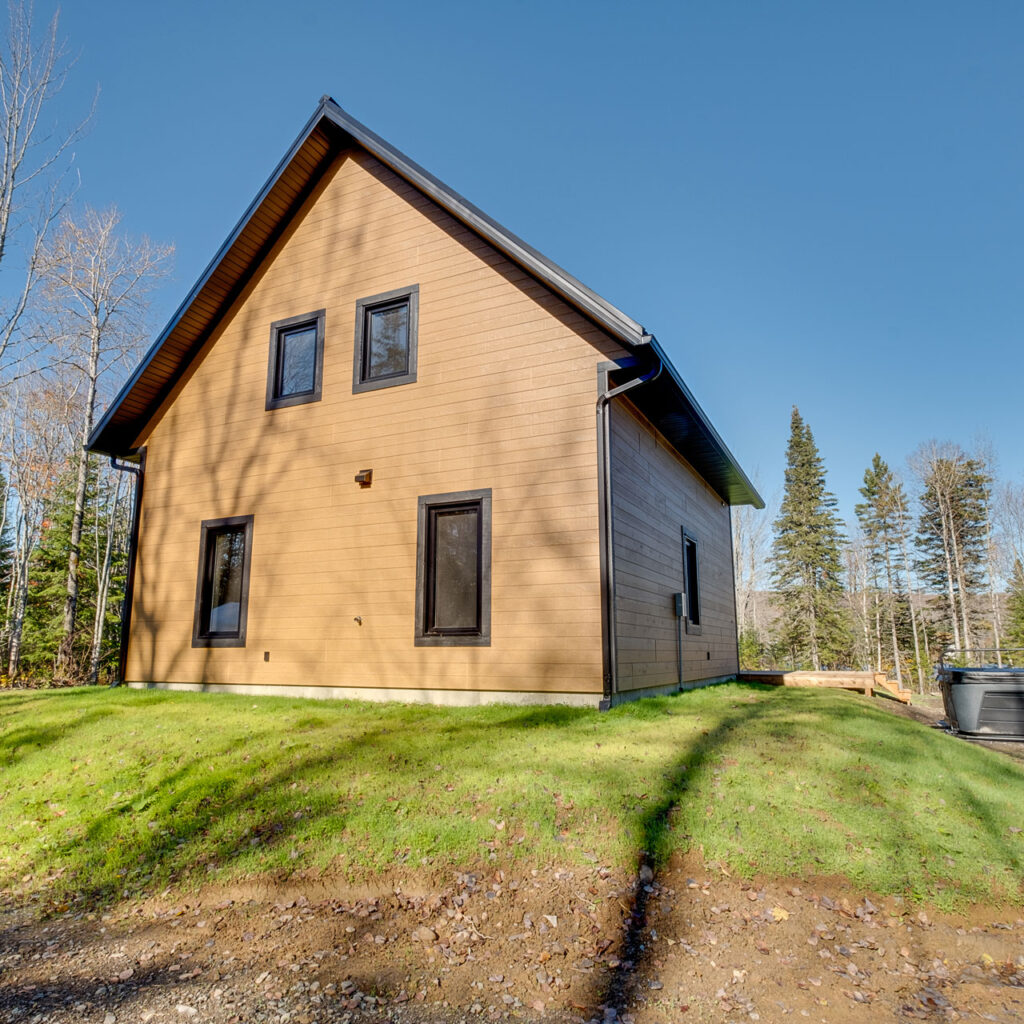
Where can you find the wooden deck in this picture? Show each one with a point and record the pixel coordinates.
(862, 682)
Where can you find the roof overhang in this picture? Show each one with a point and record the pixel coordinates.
(329, 132)
(670, 406)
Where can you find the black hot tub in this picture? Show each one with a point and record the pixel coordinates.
(987, 702)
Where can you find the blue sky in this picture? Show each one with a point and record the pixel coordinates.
(811, 204)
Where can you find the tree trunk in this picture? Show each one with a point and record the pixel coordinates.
(65, 653)
(103, 588)
(950, 576)
(913, 614)
(892, 612)
(990, 568)
(20, 591)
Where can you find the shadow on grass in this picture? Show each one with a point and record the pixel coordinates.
(342, 773)
(669, 813)
(28, 738)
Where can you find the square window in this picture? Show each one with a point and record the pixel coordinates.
(296, 362)
(691, 580)
(453, 573)
(386, 335)
(222, 587)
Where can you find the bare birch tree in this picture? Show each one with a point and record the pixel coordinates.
(110, 532)
(902, 518)
(859, 596)
(751, 541)
(38, 454)
(1008, 513)
(98, 282)
(952, 529)
(33, 159)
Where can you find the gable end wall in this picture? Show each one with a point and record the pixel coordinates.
(504, 400)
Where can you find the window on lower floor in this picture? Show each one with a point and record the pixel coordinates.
(385, 343)
(453, 579)
(296, 360)
(691, 580)
(222, 589)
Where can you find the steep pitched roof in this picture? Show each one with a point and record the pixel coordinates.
(327, 133)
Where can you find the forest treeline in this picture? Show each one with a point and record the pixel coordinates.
(932, 565)
(73, 317)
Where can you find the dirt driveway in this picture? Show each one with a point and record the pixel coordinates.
(692, 944)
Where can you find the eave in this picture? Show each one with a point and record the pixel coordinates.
(329, 132)
(671, 407)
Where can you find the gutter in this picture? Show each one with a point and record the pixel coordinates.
(604, 488)
(139, 472)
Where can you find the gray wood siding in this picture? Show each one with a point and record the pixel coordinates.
(655, 494)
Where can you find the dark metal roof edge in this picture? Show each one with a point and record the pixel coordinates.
(755, 499)
(624, 327)
(603, 312)
(205, 276)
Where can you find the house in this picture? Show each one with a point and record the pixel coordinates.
(385, 449)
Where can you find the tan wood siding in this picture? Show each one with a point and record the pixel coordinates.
(504, 400)
(655, 493)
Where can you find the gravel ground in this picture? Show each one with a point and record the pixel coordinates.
(692, 944)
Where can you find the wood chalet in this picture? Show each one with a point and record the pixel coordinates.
(385, 449)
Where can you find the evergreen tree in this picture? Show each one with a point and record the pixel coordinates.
(44, 615)
(1015, 613)
(880, 516)
(952, 536)
(806, 564)
(48, 567)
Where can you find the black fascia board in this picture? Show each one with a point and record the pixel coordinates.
(741, 478)
(204, 278)
(606, 315)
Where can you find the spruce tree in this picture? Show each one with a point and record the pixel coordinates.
(881, 518)
(1014, 626)
(806, 563)
(952, 534)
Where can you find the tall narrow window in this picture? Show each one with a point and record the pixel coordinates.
(453, 578)
(385, 344)
(691, 579)
(222, 588)
(295, 372)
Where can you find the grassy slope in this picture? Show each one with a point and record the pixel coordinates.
(121, 790)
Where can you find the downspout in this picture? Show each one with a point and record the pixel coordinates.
(139, 472)
(604, 488)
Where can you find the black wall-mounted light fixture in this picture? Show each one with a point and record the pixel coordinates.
(364, 477)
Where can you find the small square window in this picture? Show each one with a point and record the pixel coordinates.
(295, 370)
(222, 587)
(691, 580)
(453, 573)
(385, 345)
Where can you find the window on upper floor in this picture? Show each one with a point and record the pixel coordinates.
(295, 371)
(222, 587)
(691, 580)
(385, 343)
(453, 570)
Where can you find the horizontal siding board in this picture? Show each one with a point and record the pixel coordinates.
(504, 399)
(654, 494)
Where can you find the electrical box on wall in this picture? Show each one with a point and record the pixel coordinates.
(677, 602)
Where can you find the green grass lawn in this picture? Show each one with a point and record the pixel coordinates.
(105, 792)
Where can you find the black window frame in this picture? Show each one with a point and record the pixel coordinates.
(278, 330)
(691, 587)
(428, 506)
(202, 637)
(409, 296)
